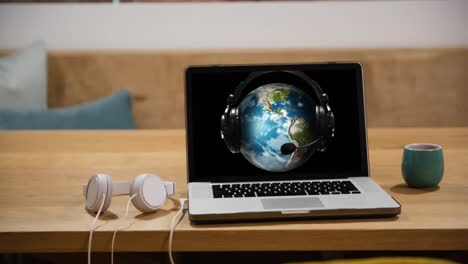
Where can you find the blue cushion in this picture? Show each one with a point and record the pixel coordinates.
(112, 112)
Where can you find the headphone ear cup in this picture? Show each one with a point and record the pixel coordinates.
(150, 193)
(321, 120)
(230, 129)
(97, 186)
(225, 133)
(331, 124)
(236, 129)
(227, 128)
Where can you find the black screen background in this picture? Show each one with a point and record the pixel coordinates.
(210, 160)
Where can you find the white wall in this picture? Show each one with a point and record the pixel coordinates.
(236, 25)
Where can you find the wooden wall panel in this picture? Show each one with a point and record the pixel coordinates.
(404, 87)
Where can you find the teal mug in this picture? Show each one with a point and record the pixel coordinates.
(422, 165)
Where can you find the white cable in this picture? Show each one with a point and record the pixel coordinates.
(174, 222)
(91, 228)
(118, 229)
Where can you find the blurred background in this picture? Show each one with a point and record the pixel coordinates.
(414, 53)
(221, 24)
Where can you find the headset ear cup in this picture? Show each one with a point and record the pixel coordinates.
(150, 193)
(321, 125)
(237, 129)
(230, 124)
(225, 132)
(331, 124)
(97, 186)
(228, 128)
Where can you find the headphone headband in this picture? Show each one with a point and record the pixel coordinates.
(320, 97)
(123, 188)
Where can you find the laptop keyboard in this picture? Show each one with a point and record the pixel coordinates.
(283, 189)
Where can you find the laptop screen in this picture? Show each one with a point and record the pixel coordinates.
(275, 122)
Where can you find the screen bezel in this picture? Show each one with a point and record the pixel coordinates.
(192, 177)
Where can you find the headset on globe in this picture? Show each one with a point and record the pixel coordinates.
(324, 118)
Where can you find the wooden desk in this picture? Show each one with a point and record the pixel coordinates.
(42, 208)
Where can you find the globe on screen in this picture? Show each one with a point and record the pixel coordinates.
(272, 115)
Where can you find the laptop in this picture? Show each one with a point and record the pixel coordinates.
(280, 141)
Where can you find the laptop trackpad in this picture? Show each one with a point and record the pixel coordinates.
(291, 203)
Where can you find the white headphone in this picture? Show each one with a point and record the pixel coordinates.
(148, 190)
